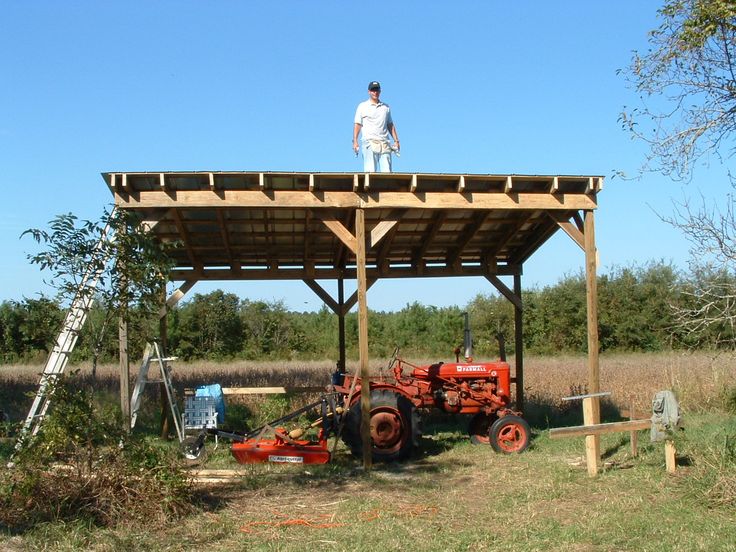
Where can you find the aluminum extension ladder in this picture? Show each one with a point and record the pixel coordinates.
(66, 341)
(152, 354)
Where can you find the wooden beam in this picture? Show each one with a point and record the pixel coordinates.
(570, 229)
(504, 290)
(385, 226)
(365, 393)
(512, 230)
(383, 251)
(273, 261)
(433, 228)
(153, 218)
(380, 230)
(322, 294)
(246, 274)
(186, 239)
(578, 222)
(269, 390)
(600, 429)
(466, 236)
(226, 239)
(308, 261)
(374, 200)
(353, 299)
(342, 252)
(175, 297)
(337, 228)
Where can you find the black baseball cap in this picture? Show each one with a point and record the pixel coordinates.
(374, 85)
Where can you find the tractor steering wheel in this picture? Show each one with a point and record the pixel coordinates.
(394, 358)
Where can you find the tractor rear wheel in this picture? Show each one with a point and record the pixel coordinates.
(509, 434)
(479, 426)
(395, 427)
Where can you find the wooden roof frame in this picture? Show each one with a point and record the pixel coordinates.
(364, 226)
(296, 226)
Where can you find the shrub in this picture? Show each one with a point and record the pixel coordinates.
(82, 465)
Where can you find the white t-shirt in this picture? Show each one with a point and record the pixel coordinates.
(375, 118)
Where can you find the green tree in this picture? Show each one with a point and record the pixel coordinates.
(9, 331)
(635, 311)
(490, 316)
(131, 265)
(267, 328)
(208, 326)
(39, 324)
(687, 82)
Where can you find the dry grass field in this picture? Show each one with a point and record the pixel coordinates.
(699, 378)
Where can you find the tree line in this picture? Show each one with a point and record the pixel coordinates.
(637, 309)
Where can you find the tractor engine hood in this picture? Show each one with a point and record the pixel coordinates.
(463, 370)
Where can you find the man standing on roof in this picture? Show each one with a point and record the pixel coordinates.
(373, 119)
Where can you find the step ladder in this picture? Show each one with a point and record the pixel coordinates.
(152, 354)
(66, 340)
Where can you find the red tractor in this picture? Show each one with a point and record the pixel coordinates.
(478, 388)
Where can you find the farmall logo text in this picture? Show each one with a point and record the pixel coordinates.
(472, 368)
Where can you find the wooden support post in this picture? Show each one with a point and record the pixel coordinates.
(634, 436)
(592, 442)
(163, 330)
(519, 344)
(341, 325)
(124, 361)
(669, 456)
(365, 393)
(124, 367)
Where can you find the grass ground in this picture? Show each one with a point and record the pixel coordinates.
(455, 496)
(452, 496)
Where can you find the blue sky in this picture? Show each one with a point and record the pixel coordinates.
(474, 87)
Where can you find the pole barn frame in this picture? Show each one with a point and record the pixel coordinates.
(365, 227)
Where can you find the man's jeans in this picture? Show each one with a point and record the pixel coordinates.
(375, 162)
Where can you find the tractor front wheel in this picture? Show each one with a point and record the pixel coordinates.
(509, 434)
(394, 426)
(479, 426)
